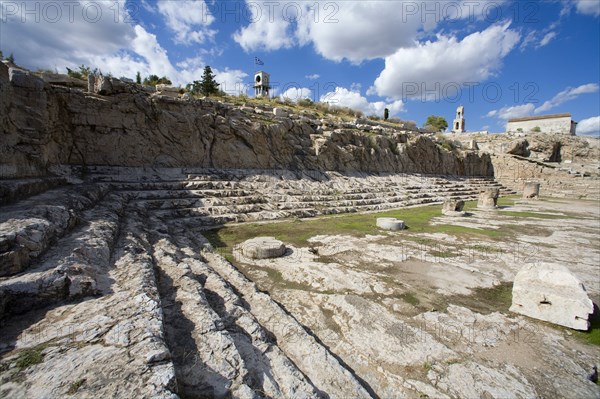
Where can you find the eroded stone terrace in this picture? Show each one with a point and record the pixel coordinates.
(105, 289)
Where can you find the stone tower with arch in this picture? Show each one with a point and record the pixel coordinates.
(458, 126)
(261, 84)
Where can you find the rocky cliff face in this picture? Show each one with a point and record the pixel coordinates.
(46, 124)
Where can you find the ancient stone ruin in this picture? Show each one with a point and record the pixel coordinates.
(391, 224)
(551, 293)
(263, 248)
(453, 207)
(488, 198)
(531, 190)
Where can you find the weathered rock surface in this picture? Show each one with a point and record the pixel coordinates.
(519, 147)
(120, 124)
(551, 293)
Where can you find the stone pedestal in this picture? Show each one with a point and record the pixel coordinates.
(391, 224)
(453, 207)
(488, 199)
(531, 190)
(263, 248)
(551, 293)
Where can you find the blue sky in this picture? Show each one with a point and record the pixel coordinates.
(499, 59)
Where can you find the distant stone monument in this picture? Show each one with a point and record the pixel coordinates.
(263, 248)
(391, 224)
(531, 190)
(459, 122)
(488, 199)
(262, 84)
(453, 207)
(386, 114)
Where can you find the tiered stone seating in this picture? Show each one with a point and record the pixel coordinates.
(119, 245)
(85, 217)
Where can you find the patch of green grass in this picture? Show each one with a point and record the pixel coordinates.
(532, 215)
(456, 230)
(298, 231)
(486, 300)
(410, 298)
(74, 387)
(444, 254)
(592, 335)
(508, 201)
(30, 357)
(486, 248)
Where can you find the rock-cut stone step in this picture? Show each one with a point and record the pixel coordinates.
(27, 228)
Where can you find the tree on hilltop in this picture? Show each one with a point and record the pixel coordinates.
(207, 86)
(436, 123)
(154, 80)
(83, 73)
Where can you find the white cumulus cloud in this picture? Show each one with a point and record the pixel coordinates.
(588, 7)
(268, 29)
(69, 33)
(590, 126)
(296, 93)
(362, 30)
(512, 112)
(188, 19)
(343, 97)
(547, 38)
(232, 81)
(435, 66)
(111, 43)
(568, 94)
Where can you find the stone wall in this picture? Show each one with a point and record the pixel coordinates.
(554, 181)
(45, 125)
(561, 125)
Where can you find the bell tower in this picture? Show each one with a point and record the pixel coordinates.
(261, 84)
(458, 125)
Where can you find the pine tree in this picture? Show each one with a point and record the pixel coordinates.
(11, 58)
(436, 123)
(138, 78)
(208, 85)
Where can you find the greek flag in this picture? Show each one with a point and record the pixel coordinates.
(257, 61)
